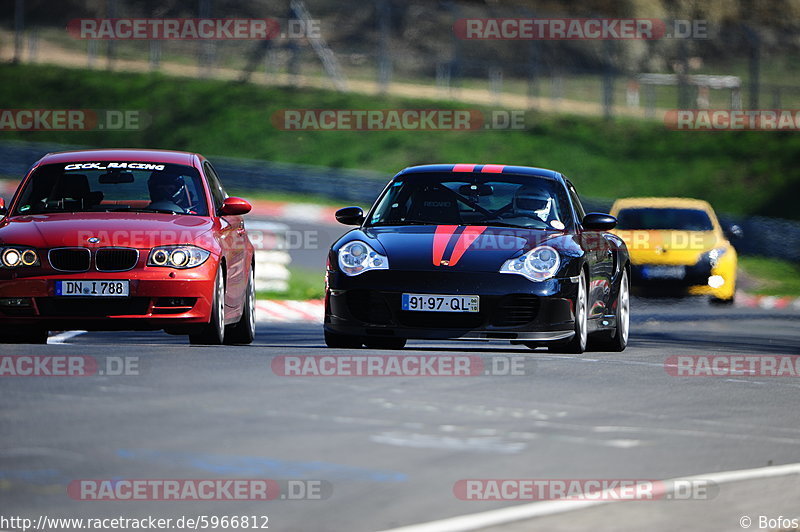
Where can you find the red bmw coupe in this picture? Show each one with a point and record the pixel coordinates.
(125, 239)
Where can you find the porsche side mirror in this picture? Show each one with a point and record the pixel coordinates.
(234, 207)
(595, 221)
(350, 216)
(2, 207)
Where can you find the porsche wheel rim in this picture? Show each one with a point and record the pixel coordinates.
(580, 313)
(624, 308)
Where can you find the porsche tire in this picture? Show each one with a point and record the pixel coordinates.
(342, 341)
(577, 344)
(616, 339)
(385, 343)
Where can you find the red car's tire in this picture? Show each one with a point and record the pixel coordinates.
(25, 334)
(244, 330)
(213, 333)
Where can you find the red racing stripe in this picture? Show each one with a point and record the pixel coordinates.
(470, 234)
(440, 240)
(493, 168)
(463, 167)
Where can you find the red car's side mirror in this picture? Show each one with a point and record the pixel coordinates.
(2, 207)
(234, 207)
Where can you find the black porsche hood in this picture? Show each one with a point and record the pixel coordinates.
(456, 247)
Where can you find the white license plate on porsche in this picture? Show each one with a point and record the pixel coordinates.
(89, 288)
(440, 303)
(664, 272)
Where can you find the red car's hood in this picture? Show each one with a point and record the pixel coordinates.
(138, 230)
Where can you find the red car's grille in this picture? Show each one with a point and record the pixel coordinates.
(115, 259)
(70, 259)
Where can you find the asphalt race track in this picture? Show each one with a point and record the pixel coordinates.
(387, 451)
(390, 449)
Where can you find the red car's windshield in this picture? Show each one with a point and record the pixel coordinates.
(111, 186)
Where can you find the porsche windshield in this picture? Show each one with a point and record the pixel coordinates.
(473, 199)
(664, 218)
(113, 186)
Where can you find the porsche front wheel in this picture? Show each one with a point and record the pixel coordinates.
(577, 344)
(616, 339)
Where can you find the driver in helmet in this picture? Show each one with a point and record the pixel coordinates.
(167, 191)
(532, 202)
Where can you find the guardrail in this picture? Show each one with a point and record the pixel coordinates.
(769, 237)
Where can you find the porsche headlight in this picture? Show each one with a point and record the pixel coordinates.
(539, 264)
(181, 257)
(358, 257)
(714, 255)
(14, 257)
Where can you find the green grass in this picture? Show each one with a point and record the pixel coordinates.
(774, 277)
(739, 172)
(303, 284)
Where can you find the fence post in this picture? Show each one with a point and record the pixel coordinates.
(755, 67)
(496, 84)
(111, 12)
(204, 55)
(155, 54)
(384, 9)
(608, 80)
(19, 29)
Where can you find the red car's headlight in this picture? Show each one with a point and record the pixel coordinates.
(14, 257)
(181, 257)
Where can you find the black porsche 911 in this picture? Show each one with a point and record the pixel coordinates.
(478, 252)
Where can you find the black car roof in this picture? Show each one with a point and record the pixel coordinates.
(482, 169)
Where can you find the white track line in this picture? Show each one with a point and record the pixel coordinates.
(61, 338)
(541, 509)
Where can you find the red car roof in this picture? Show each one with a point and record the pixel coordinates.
(155, 156)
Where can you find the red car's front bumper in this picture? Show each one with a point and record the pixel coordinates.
(159, 298)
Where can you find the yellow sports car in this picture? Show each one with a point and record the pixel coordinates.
(677, 244)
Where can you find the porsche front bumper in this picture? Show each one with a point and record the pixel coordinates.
(510, 307)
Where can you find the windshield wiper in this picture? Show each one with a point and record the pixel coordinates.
(504, 224)
(141, 209)
(402, 222)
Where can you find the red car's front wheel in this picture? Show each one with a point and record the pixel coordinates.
(213, 333)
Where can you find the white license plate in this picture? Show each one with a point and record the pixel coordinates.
(664, 272)
(440, 303)
(88, 288)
